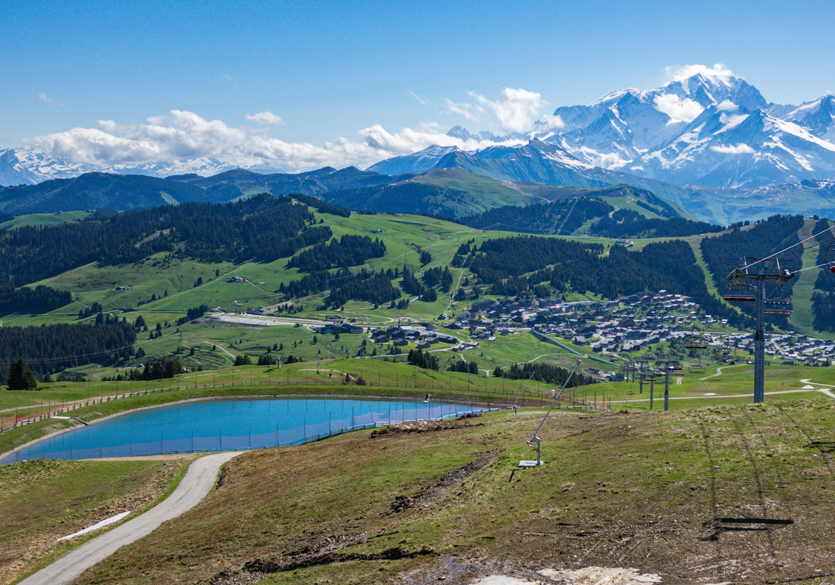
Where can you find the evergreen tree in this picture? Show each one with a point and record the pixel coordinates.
(20, 376)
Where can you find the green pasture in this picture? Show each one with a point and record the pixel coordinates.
(43, 219)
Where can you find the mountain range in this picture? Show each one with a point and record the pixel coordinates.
(712, 130)
(26, 166)
(710, 144)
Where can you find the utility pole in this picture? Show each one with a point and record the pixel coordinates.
(758, 271)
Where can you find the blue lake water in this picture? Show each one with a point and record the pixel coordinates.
(230, 424)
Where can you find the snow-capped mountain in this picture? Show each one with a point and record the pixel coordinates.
(25, 166)
(419, 162)
(711, 129)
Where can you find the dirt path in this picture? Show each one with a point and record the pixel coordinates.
(197, 483)
(519, 190)
(221, 348)
(718, 372)
(724, 396)
(452, 294)
(821, 390)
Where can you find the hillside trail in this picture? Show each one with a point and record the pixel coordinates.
(221, 348)
(196, 485)
(821, 390)
(519, 190)
(718, 372)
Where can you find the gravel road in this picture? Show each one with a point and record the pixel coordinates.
(197, 483)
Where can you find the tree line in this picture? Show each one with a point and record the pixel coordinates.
(546, 373)
(365, 286)
(51, 348)
(767, 236)
(261, 228)
(41, 299)
(564, 216)
(823, 297)
(626, 223)
(349, 250)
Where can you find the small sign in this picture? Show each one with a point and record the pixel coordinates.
(529, 463)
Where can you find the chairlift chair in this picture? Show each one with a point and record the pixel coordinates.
(781, 306)
(739, 292)
(695, 341)
(830, 259)
(697, 369)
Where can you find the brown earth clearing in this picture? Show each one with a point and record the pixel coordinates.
(735, 494)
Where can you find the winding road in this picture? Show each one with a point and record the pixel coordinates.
(197, 483)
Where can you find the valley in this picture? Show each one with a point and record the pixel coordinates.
(297, 296)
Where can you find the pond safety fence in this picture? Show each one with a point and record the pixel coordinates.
(10, 419)
(63, 446)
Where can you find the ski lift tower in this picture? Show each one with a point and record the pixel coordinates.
(668, 365)
(641, 366)
(759, 271)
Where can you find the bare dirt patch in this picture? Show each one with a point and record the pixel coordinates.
(422, 426)
(431, 494)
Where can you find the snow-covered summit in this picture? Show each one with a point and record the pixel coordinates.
(709, 127)
(28, 166)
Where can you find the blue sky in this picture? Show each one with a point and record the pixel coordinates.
(341, 83)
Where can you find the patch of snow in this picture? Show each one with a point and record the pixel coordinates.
(502, 580)
(599, 575)
(736, 149)
(614, 96)
(731, 121)
(101, 524)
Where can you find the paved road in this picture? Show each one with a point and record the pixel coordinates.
(197, 483)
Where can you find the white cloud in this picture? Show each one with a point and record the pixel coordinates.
(423, 100)
(736, 149)
(516, 109)
(186, 135)
(678, 109)
(408, 140)
(266, 118)
(550, 123)
(681, 72)
(230, 81)
(48, 100)
(470, 112)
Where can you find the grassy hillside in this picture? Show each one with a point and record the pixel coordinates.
(126, 292)
(44, 219)
(43, 501)
(716, 494)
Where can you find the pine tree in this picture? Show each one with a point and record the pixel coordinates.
(20, 376)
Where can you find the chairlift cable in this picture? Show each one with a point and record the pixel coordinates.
(787, 249)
